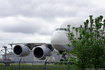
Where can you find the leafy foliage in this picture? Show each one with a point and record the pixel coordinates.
(88, 42)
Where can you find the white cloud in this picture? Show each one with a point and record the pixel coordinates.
(6, 38)
(35, 20)
(27, 25)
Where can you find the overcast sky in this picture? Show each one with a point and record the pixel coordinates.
(35, 20)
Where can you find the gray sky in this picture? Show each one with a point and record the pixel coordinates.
(35, 20)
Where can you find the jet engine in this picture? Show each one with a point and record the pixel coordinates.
(21, 50)
(40, 52)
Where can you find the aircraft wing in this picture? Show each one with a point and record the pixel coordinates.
(30, 45)
(40, 51)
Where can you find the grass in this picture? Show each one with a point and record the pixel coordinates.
(33, 67)
(24, 66)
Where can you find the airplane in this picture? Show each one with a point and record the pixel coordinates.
(59, 41)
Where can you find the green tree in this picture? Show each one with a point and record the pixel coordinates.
(88, 42)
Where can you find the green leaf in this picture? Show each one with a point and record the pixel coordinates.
(89, 47)
(58, 53)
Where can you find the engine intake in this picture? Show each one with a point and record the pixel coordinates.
(40, 52)
(21, 50)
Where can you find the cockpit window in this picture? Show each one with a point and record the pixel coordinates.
(61, 29)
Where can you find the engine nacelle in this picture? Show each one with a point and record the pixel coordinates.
(21, 50)
(40, 52)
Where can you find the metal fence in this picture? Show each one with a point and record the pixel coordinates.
(38, 65)
(32, 65)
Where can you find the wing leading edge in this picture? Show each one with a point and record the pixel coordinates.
(30, 45)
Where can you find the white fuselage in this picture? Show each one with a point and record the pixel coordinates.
(59, 38)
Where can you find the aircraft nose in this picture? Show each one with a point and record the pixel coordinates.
(59, 38)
